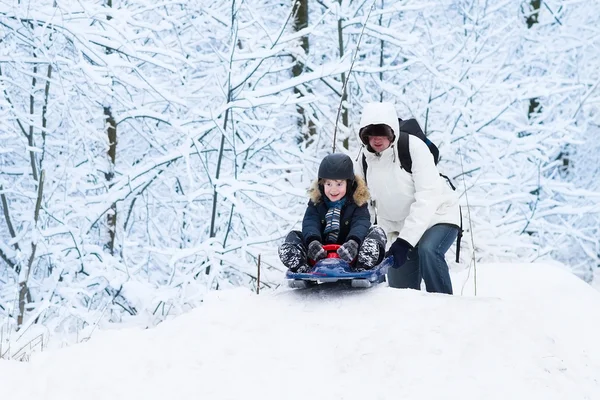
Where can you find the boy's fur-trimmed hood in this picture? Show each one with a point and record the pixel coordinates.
(360, 196)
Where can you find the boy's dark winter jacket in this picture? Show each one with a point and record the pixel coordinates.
(355, 219)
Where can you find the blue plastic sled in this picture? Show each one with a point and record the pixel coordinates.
(334, 270)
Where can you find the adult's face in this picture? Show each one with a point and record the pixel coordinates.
(379, 143)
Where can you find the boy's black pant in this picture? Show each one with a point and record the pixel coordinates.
(370, 253)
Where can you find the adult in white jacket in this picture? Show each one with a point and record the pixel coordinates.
(419, 211)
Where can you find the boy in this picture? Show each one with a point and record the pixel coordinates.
(337, 213)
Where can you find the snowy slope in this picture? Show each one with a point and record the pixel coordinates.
(532, 337)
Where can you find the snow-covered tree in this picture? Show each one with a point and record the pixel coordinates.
(151, 152)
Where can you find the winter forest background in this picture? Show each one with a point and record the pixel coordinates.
(151, 151)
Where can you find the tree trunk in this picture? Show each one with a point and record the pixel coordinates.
(345, 119)
(111, 131)
(11, 230)
(305, 122)
(30, 140)
(44, 113)
(228, 114)
(532, 19)
(111, 218)
(24, 295)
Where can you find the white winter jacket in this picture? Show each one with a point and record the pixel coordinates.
(406, 204)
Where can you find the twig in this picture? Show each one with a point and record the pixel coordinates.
(7, 218)
(7, 260)
(537, 200)
(258, 276)
(552, 12)
(470, 222)
(337, 118)
(7, 97)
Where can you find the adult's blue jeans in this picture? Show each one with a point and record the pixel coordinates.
(427, 262)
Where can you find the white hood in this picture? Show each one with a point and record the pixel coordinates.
(380, 113)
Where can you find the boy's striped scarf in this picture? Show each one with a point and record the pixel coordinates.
(332, 220)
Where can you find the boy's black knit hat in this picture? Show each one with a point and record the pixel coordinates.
(336, 166)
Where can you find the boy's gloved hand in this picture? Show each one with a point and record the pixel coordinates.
(399, 250)
(316, 251)
(348, 251)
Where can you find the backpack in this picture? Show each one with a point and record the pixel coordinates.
(412, 127)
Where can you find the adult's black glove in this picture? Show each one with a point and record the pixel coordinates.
(348, 251)
(399, 250)
(316, 251)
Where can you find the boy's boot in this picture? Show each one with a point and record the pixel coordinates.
(292, 256)
(372, 249)
(369, 254)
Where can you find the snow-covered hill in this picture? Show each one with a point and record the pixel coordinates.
(533, 332)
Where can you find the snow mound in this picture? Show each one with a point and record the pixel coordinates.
(531, 333)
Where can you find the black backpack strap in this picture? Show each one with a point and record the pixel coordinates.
(364, 166)
(459, 236)
(408, 127)
(412, 127)
(448, 180)
(404, 151)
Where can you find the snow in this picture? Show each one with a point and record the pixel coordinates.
(527, 335)
(215, 152)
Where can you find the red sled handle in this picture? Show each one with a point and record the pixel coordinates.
(331, 250)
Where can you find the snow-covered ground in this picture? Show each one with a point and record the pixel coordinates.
(532, 332)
